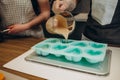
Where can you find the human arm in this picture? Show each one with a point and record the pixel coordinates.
(45, 13)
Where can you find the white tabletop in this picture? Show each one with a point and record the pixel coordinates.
(56, 73)
(10, 76)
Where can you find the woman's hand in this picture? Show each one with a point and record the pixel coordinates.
(16, 28)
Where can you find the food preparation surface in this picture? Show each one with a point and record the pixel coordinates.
(101, 68)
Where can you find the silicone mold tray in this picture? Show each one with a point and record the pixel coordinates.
(72, 50)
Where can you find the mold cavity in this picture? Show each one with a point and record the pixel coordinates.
(59, 47)
(44, 46)
(52, 41)
(66, 41)
(92, 52)
(80, 44)
(97, 45)
(74, 51)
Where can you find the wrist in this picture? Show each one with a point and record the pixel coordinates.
(27, 25)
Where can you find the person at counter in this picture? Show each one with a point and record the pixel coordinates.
(19, 18)
(103, 24)
(78, 8)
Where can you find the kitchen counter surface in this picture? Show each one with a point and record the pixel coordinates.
(13, 48)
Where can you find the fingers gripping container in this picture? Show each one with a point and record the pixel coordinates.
(72, 50)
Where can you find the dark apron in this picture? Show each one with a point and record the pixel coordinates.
(105, 34)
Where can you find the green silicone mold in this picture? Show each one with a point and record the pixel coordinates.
(72, 50)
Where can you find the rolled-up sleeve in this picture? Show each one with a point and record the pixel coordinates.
(82, 10)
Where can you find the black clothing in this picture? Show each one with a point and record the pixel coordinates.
(109, 33)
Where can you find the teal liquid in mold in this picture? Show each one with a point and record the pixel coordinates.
(45, 46)
(53, 41)
(91, 52)
(66, 41)
(80, 44)
(59, 47)
(97, 45)
(74, 51)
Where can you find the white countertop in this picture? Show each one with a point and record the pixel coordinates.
(56, 73)
(10, 76)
